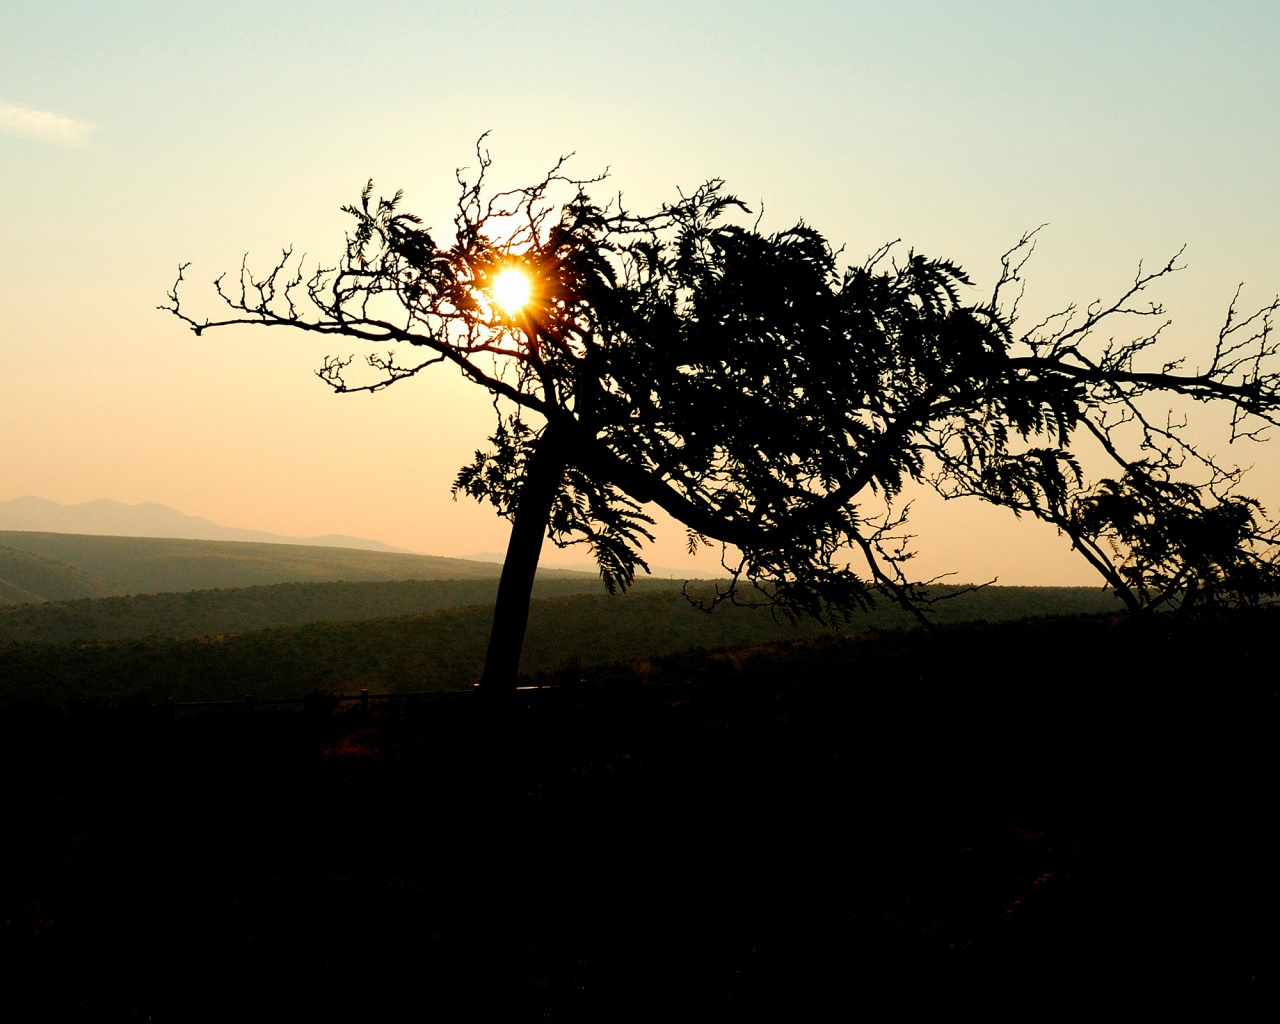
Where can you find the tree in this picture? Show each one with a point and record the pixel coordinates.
(774, 402)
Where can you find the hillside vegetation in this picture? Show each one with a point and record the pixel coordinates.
(27, 577)
(437, 649)
(198, 613)
(109, 619)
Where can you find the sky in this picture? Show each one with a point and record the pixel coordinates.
(135, 136)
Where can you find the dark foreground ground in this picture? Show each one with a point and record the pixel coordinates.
(1037, 819)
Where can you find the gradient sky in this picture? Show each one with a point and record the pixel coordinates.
(137, 135)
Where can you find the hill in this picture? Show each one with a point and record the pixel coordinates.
(148, 565)
(26, 577)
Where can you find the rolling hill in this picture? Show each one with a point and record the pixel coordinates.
(27, 577)
(60, 566)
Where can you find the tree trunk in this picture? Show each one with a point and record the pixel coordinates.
(528, 528)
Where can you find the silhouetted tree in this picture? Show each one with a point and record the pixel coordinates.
(774, 402)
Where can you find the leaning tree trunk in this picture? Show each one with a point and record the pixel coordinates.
(528, 528)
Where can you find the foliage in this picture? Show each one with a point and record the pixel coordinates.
(1168, 527)
(1172, 544)
(778, 403)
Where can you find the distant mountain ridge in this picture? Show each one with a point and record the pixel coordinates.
(106, 518)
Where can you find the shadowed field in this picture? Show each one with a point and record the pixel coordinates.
(1032, 817)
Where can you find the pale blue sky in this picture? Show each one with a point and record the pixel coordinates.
(207, 130)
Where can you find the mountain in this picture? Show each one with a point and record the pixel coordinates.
(104, 517)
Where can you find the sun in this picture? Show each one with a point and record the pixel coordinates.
(511, 290)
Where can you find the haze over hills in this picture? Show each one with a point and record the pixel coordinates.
(105, 517)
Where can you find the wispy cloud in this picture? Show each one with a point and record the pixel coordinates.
(43, 126)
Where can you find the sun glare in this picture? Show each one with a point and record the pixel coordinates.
(511, 290)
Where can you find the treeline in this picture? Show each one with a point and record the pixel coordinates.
(239, 610)
(243, 609)
(440, 649)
